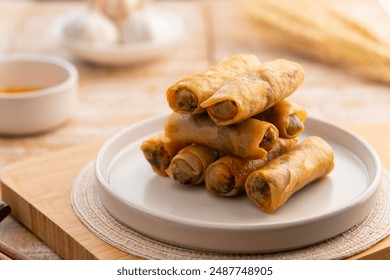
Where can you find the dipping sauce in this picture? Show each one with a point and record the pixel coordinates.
(18, 90)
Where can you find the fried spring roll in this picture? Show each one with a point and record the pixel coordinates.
(186, 95)
(253, 92)
(227, 175)
(159, 151)
(288, 117)
(190, 163)
(251, 138)
(273, 184)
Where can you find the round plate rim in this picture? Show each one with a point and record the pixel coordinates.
(370, 190)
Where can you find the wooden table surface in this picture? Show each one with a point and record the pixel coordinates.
(113, 98)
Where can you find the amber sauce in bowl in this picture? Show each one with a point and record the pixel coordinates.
(17, 90)
(37, 93)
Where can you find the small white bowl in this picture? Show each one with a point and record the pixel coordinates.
(54, 88)
(162, 31)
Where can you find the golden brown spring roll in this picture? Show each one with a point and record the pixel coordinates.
(227, 175)
(271, 185)
(288, 117)
(186, 95)
(251, 138)
(159, 151)
(190, 163)
(254, 91)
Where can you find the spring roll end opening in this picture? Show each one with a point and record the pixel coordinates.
(223, 111)
(269, 139)
(183, 100)
(185, 173)
(259, 191)
(294, 126)
(158, 160)
(220, 180)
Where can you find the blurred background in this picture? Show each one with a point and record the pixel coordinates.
(344, 47)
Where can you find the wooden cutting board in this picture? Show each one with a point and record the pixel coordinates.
(38, 190)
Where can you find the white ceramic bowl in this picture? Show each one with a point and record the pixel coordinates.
(165, 28)
(49, 105)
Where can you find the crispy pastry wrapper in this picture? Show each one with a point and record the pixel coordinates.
(227, 175)
(288, 117)
(190, 163)
(254, 91)
(273, 184)
(159, 151)
(186, 95)
(250, 139)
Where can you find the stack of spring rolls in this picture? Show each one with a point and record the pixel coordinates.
(233, 131)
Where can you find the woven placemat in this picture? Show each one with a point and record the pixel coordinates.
(91, 212)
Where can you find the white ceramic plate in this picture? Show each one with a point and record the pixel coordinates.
(191, 217)
(165, 26)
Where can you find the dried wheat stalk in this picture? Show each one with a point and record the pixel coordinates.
(315, 29)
